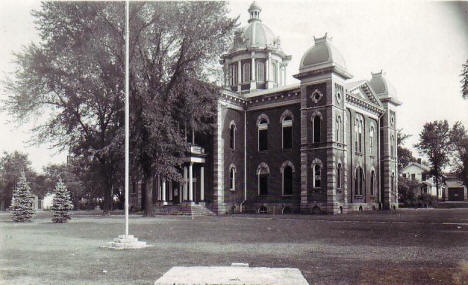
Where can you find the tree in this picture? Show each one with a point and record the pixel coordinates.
(173, 48)
(459, 143)
(12, 165)
(75, 76)
(61, 204)
(464, 81)
(21, 208)
(434, 142)
(405, 156)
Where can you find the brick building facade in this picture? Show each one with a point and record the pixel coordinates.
(326, 144)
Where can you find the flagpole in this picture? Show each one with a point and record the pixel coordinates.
(127, 112)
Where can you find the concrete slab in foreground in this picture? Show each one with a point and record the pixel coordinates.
(231, 275)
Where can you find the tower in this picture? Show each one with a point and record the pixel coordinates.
(255, 60)
(388, 134)
(322, 73)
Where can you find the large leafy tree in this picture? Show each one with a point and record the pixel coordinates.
(12, 165)
(434, 142)
(459, 143)
(174, 47)
(405, 156)
(73, 77)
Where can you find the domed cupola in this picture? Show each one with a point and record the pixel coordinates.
(383, 88)
(323, 55)
(255, 60)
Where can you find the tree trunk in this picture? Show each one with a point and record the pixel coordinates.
(148, 197)
(107, 176)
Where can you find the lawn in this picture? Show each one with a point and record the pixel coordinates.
(407, 247)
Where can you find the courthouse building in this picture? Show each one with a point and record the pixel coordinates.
(325, 144)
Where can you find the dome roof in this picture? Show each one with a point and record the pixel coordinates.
(256, 34)
(323, 52)
(381, 86)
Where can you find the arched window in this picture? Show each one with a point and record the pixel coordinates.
(359, 181)
(360, 136)
(232, 177)
(338, 175)
(232, 135)
(356, 131)
(286, 123)
(372, 179)
(371, 138)
(392, 146)
(263, 171)
(316, 120)
(393, 183)
(287, 170)
(246, 72)
(260, 71)
(262, 125)
(338, 129)
(317, 173)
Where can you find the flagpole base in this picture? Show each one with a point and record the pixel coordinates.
(125, 242)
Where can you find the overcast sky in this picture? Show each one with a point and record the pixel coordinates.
(419, 45)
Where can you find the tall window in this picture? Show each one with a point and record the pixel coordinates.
(262, 134)
(392, 146)
(232, 135)
(316, 173)
(371, 138)
(393, 183)
(316, 131)
(246, 72)
(372, 179)
(287, 180)
(287, 131)
(274, 67)
(263, 171)
(338, 129)
(360, 135)
(338, 176)
(356, 131)
(232, 177)
(260, 71)
(233, 74)
(358, 183)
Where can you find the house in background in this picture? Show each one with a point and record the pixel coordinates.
(455, 190)
(417, 171)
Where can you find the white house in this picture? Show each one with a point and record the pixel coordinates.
(420, 172)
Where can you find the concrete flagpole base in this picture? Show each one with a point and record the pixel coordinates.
(125, 242)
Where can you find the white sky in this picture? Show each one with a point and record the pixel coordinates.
(419, 45)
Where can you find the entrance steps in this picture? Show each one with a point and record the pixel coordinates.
(183, 210)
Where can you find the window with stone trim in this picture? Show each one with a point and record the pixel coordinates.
(359, 181)
(232, 177)
(246, 72)
(233, 77)
(260, 71)
(316, 128)
(232, 135)
(392, 146)
(287, 130)
(274, 67)
(263, 172)
(287, 180)
(338, 175)
(262, 134)
(317, 173)
(372, 182)
(339, 129)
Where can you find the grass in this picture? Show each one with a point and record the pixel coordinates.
(410, 247)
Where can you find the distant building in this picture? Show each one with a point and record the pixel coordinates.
(325, 144)
(47, 201)
(417, 171)
(455, 190)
